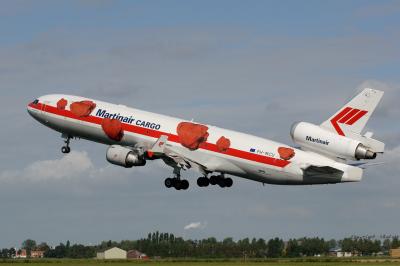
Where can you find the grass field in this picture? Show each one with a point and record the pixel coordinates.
(283, 262)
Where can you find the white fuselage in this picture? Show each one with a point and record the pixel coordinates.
(249, 156)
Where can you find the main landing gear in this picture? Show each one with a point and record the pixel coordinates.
(66, 148)
(182, 184)
(215, 180)
(176, 181)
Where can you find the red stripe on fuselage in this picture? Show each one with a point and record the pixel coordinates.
(171, 137)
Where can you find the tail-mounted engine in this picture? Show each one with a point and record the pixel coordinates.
(123, 156)
(317, 139)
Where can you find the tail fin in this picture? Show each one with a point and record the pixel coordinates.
(352, 118)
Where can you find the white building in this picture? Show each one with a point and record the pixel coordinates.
(112, 253)
(341, 254)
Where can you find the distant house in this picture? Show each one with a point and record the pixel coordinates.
(112, 253)
(37, 254)
(23, 254)
(339, 253)
(395, 253)
(136, 254)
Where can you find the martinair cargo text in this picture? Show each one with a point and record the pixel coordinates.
(326, 153)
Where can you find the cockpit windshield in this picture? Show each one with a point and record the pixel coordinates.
(36, 101)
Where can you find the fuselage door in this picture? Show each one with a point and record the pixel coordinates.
(43, 110)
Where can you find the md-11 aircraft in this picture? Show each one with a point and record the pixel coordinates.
(327, 153)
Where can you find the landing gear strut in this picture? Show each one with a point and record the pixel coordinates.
(176, 181)
(66, 148)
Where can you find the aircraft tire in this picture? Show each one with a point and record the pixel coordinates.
(185, 184)
(221, 182)
(178, 184)
(213, 180)
(228, 182)
(200, 181)
(206, 181)
(168, 182)
(65, 149)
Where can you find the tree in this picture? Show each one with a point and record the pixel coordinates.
(313, 246)
(332, 243)
(43, 247)
(29, 245)
(275, 248)
(395, 242)
(12, 252)
(293, 248)
(387, 244)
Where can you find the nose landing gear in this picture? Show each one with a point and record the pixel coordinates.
(66, 148)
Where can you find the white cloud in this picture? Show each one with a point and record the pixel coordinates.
(69, 166)
(195, 225)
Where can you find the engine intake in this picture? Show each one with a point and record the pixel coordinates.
(123, 156)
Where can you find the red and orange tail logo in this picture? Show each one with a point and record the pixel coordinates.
(347, 116)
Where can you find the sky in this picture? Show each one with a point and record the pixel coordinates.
(251, 66)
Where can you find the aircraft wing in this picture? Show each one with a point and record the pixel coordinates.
(173, 156)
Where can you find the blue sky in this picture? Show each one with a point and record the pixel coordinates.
(22, 20)
(251, 66)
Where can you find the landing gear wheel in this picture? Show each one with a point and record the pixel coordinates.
(65, 149)
(184, 184)
(177, 184)
(221, 182)
(203, 181)
(168, 182)
(213, 180)
(228, 182)
(200, 182)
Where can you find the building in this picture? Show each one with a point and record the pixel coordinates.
(395, 253)
(37, 254)
(23, 254)
(343, 254)
(135, 254)
(339, 253)
(112, 253)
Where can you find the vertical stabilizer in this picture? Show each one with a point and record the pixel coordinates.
(352, 118)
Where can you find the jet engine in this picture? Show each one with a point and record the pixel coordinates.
(314, 138)
(123, 156)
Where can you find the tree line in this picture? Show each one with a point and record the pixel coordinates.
(168, 245)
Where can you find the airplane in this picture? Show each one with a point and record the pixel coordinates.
(328, 153)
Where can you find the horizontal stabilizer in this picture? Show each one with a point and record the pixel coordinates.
(323, 171)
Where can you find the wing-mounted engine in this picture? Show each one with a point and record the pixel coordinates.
(314, 138)
(124, 156)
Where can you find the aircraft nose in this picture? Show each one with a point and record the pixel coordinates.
(31, 107)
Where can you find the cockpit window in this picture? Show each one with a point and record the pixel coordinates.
(36, 101)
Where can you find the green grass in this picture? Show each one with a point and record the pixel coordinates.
(180, 262)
